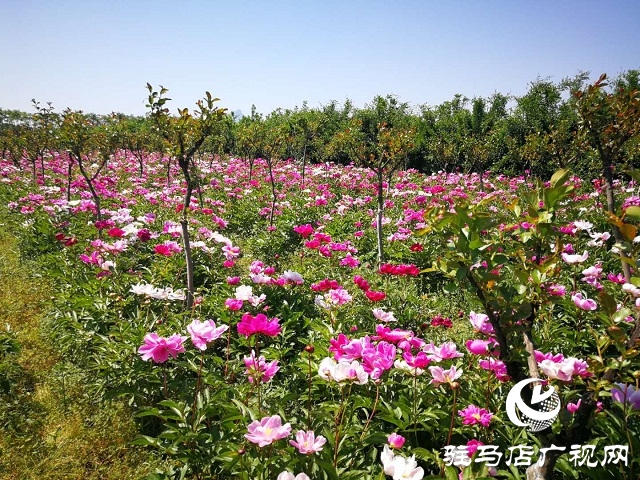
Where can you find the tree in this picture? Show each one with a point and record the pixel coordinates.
(136, 135)
(183, 136)
(83, 141)
(248, 141)
(379, 137)
(609, 122)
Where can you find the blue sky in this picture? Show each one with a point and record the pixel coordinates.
(97, 56)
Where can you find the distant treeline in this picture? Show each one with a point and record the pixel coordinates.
(571, 124)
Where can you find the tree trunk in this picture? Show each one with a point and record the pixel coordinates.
(189, 260)
(94, 194)
(184, 165)
(273, 193)
(304, 162)
(379, 215)
(69, 171)
(611, 207)
(544, 471)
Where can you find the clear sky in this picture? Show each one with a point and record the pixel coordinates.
(97, 56)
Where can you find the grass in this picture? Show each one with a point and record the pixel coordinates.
(50, 427)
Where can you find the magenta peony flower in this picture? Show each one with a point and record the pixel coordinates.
(307, 443)
(159, 348)
(304, 230)
(473, 415)
(250, 325)
(479, 347)
(375, 296)
(379, 359)
(267, 431)
(233, 304)
(573, 407)
(420, 360)
(472, 446)
(497, 367)
(167, 248)
(395, 441)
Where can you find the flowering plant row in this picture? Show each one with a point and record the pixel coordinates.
(301, 356)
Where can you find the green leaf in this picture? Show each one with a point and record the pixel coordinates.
(608, 303)
(450, 472)
(524, 310)
(633, 213)
(327, 467)
(560, 177)
(621, 314)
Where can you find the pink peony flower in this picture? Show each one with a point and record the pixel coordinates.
(383, 316)
(267, 430)
(205, 332)
(307, 443)
(286, 475)
(571, 259)
(497, 367)
(349, 261)
(233, 304)
(159, 348)
(250, 325)
(444, 376)
(481, 323)
(583, 303)
(556, 289)
(258, 369)
(446, 351)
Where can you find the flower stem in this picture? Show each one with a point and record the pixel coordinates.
(373, 411)
(226, 365)
(164, 381)
(309, 398)
(339, 420)
(453, 412)
(197, 392)
(415, 402)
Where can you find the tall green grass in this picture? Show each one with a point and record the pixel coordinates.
(50, 427)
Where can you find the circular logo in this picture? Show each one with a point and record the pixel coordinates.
(540, 413)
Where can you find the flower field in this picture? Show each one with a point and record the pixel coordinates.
(301, 356)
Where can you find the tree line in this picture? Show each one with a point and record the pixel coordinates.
(571, 123)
